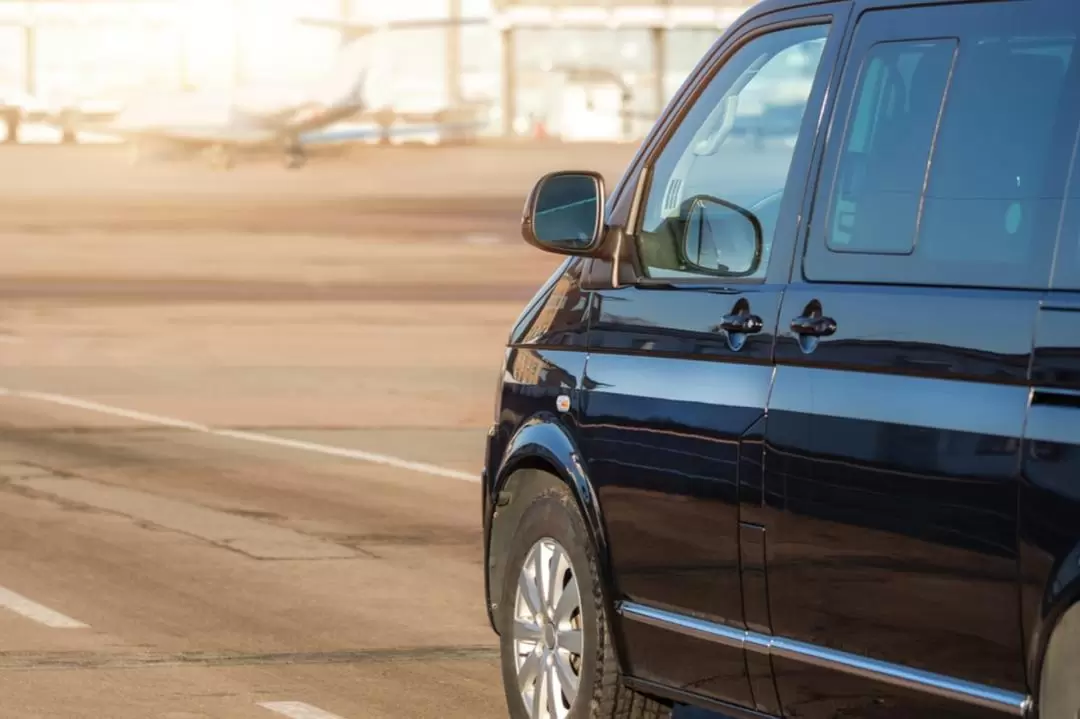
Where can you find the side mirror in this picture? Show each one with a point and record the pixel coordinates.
(721, 238)
(564, 213)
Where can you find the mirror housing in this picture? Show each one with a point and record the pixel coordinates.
(565, 213)
(721, 238)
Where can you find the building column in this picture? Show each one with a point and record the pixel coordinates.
(453, 54)
(345, 14)
(183, 62)
(30, 60)
(659, 56)
(239, 58)
(509, 82)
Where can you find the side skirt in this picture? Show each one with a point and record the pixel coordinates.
(940, 685)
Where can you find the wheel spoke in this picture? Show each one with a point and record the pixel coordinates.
(569, 601)
(530, 671)
(567, 678)
(556, 569)
(571, 641)
(554, 700)
(527, 631)
(527, 589)
(538, 692)
(538, 578)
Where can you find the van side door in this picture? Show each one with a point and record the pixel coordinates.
(680, 351)
(1050, 492)
(892, 459)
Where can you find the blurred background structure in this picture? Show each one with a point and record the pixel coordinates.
(578, 70)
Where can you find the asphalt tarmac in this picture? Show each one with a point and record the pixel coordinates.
(241, 422)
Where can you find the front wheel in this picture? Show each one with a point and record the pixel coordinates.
(1059, 690)
(556, 652)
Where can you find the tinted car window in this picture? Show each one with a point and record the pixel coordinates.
(875, 204)
(942, 174)
(735, 144)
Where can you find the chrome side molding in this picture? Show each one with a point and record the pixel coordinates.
(937, 684)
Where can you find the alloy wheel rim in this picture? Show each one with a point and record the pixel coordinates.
(547, 632)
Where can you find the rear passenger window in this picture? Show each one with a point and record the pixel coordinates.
(943, 166)
(882, 175)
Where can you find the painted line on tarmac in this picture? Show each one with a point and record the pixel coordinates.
(298, 710)
(116, 411)
(259, 437)
(36, 612)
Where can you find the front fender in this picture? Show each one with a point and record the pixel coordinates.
(543, 442)
(545, 438)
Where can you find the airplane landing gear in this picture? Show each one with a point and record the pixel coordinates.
(295, 160)
(295, 157)
(11, 118)
(69, 120)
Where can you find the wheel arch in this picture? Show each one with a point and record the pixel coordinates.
(541, 454)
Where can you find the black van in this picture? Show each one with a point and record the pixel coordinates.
(795, 429)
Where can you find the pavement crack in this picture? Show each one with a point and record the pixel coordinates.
(68, 661)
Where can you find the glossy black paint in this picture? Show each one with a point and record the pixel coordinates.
(544, 360)
(670, 391)
(1050, 493)
(891, 483)
(892, 465)
(661, 437)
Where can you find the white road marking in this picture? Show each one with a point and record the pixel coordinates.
(360, 455)
(116, 411)
(38, 613)
(298, 710)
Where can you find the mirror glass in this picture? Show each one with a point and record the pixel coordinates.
(721, 238)
(567, 211)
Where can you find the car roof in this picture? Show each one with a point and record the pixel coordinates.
(767, 6)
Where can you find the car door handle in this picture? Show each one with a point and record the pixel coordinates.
(807, 326)
(742, 323)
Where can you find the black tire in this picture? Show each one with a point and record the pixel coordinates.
(1059, 688)
(601, 693)
(294, 160)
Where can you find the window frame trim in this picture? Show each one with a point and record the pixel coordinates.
(1068, 224)
(834, 16)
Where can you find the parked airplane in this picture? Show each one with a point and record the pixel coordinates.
(224, 123)
(12, 107)
(64, 110)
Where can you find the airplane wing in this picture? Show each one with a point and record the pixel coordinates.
(200, 136)
(368, 132)
(200, 119)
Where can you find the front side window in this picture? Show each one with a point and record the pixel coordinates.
(721, 177)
